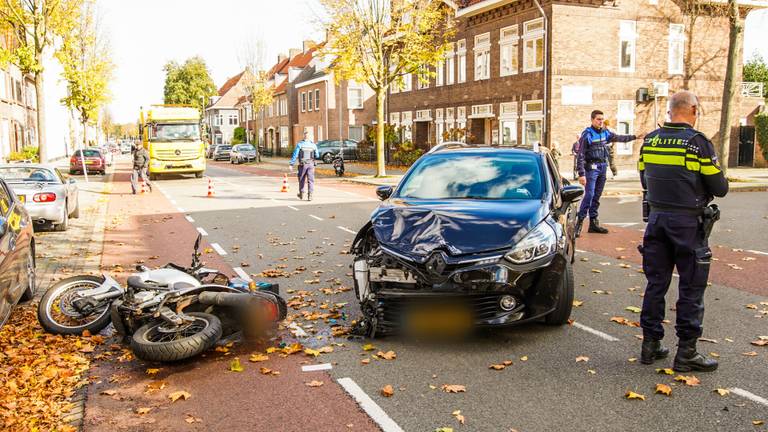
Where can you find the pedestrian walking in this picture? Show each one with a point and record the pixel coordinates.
(306, 153)
(140, 166)
(679, 169)
(593, 156)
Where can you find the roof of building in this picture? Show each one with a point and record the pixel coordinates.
(230, 83)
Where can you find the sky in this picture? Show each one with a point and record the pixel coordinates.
(145, 34)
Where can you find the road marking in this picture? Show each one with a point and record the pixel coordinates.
(316, 217)
(218, 249)
(621, 224)
(757, 252)
(292, 208)
(749, 395)
(202, 231)
(373, 410)
(625, 199)
(581, 251)
(189, 219)
(173, 202)
(598, 333)
(243, 275)
(316, 367)
(181, 210)
(346, 229)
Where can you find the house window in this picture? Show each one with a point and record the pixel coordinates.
(439, 125)
(676, 48)
(423, 78)
(462, 61)
(449, 125)
(407, 117)
(450, 66)
(461, 118)
(284, 138)
(317, 100)
(508, 123)
(440, 73)
(356, 133)
(355, 98)
(310, 100)
(407, 83)
(625, 119)
(482, 111)
(303, 102)
(284, 105)
(394, 119)
(533, 120)
(423, 115)
(533, 48)
(220, 120)
(627, 37)
(482, 51)
(508, 51)
(233, 120)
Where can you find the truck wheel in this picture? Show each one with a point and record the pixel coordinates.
(199, 174)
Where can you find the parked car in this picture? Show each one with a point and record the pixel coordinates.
(242, 153)
(222, 152)
(209, 151)
(17, 253)
(94, 161)
(125, 147)
(470, 237)
(48, 196)
(328, 148)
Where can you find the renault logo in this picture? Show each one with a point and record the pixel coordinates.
(177, 152)
(436, 263)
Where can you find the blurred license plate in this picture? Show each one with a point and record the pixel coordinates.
(439, 319)
(23, 198)
(90, 162)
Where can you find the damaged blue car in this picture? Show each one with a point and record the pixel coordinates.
(471, 237)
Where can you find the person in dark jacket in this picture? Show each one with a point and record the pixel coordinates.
(140, 166)
(679, 169)
(592, 159)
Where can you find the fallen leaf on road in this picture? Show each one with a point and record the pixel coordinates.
(389, 355)
(458, 416)
(192, 419)
(722, 391)
(524, 358)
(577, 303)
(632, 395)
(507, 362)
(497, 366)
(179, 395)
(311, 352)
(663, 389)
(258, 357)
(387, 391)
(761, 341)
(365, 361)
(601, 292)
(633, 309)
(143, 410)
(688, 380)
(152, 371)
(235, 365)
(207, 250)
(749, 354)
(454, 388)
(596, 271)
(714, 354)
(582, 359)
(666, 371)
(703, 339)
(751, 306)
(634, 359)
(368, 347)
(757, 422)
(314, 383)
(624, 321)
(735, 267)
(155, 386)
(444, 429)
(108, 392)
(268, 371)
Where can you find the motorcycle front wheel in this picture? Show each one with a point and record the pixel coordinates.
(157, 341)
(57, 314)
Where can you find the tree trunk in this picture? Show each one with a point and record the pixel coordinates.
(729, 90)
(42, 144)
(85, 133)
(381, 95)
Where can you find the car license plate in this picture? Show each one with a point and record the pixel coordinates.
(90, 162)
(446, 319)
(23, 198)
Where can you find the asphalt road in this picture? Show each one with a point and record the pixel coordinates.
(258, 228)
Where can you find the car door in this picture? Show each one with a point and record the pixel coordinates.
(7, 256)
(350, 150)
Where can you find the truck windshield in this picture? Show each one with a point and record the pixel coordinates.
(175, 132)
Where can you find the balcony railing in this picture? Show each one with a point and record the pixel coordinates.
(752, 89)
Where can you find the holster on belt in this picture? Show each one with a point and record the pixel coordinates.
(709, 217)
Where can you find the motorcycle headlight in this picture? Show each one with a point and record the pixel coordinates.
(538, 243)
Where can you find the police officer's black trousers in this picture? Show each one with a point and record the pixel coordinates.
(674, 240)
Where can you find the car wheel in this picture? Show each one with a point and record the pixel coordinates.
(564, 304)
(327, 158)
(64, 222)
(29, 291)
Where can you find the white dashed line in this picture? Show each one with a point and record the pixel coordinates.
(581, 251)
(316, 217)
(373, 410)
(598, 333)
(757, 252)
(202, 231)
(218, 249)
(621, 224)
(181, 210)
(749, 395)
(293, 208)
(243, 275)
(346, 229)
(316, 367)
(189, 219)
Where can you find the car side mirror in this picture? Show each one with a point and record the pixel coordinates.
(384, 192)
(571, 193)
(72, 181)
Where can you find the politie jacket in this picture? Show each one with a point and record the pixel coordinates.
(140, 158)
(678, 166)
(305, 152)
(594, 147)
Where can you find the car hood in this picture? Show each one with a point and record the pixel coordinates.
(415, 228)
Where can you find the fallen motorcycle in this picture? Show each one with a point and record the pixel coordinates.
(338, 164)
(169, 314)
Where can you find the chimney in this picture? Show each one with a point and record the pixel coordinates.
(293, 52)
(281, 57)
(308, 45)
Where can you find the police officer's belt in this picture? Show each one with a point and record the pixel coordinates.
(596, 161)
(681, 210)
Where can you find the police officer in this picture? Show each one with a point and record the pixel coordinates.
(679, 169)
(593, 155)
(306, 153)
(140, 165)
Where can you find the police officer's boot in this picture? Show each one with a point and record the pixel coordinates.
(309, 196)
(300, 195)
(652, 350)
(687, 359)
(579, 223)
(594, 227)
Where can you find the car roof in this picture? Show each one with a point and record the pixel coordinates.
(27, 165)
(453, 147)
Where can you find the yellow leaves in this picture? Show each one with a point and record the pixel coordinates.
(453, 388)
(368, 347)
(192, 419)
(761, 341)
(666, 371)
(181, 394)
(497, 367)
(152, 371)
(108, 392)
(311, 352)
(577, 303)
(389, 355)
(757, 422)
(268, 371)
(524, 358)
(688, 380)
(633, 309)
(632, 395)
(663, 389)
(258, 357)
(387, 391)
(596, 271)
(582, 359)
(722, 391)
(624, 321)
(235, 365)
(459, 417)
(143, 410)
(314, 383)
(155, 386)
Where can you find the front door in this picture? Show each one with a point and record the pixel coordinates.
(746, 146)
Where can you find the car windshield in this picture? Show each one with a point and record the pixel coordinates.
(224, 147)
(246, 147)
(175, 132)
(88, 153)
(27, 174)
(461, 175)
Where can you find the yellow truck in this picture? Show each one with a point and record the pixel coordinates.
(171, 135)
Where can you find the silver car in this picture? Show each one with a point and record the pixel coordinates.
(242, 153)
(48, 196)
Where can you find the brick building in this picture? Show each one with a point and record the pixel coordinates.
(18, 107)
(623, 57)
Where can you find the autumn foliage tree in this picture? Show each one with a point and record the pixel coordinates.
(377, 42)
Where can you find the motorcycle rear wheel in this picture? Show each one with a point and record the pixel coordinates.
(57, 315)
(151, 344)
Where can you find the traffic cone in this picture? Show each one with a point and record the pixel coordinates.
(143, 186)
(210, 188)
(285, 183)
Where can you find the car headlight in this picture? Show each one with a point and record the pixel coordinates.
(538, 243)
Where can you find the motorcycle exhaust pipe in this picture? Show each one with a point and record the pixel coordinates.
(224, 299)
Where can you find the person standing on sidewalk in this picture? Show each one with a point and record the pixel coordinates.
(306, 153)
(140, 166)
(679, 169)
(592, 159)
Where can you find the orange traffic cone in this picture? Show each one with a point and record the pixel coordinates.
(210, 188)
(143, 186)
(285, 183)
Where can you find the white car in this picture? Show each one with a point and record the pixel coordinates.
(48, 196)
